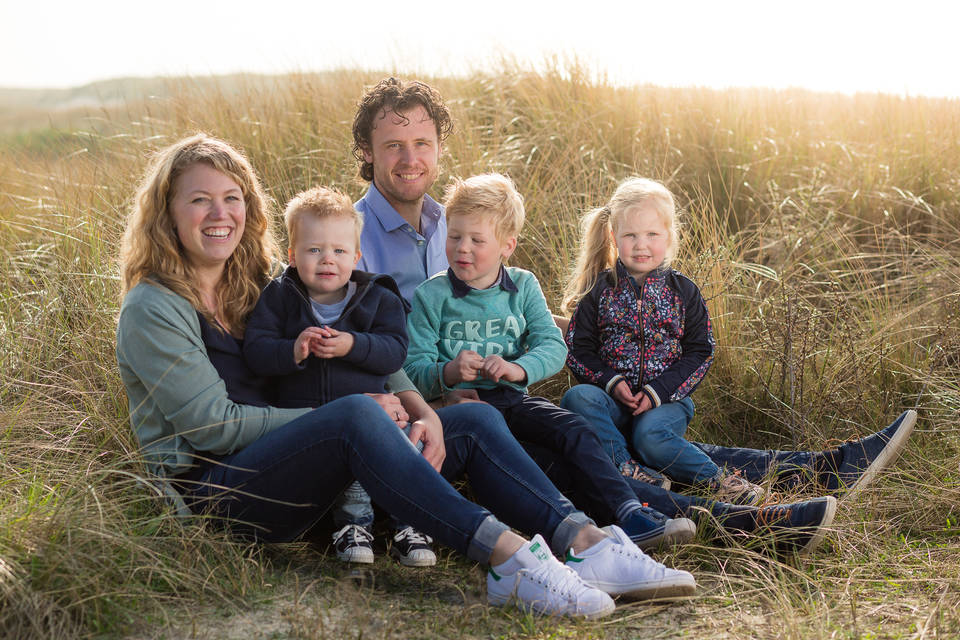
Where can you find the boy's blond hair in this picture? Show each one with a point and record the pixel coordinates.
(322, 203)
(489, 194)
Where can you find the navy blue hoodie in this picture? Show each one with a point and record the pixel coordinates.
(376, 315)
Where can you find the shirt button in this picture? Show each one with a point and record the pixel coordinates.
(420, 242)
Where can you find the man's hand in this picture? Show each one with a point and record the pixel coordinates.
(621, 393)
(496, 368)
(304, 342)
(464, 368)
(332, 343)
(392, 405)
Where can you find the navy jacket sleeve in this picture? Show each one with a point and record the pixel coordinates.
(697, 346)
(583, 342)
(265, 348)
(383, 348)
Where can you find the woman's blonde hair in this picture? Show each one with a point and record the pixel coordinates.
(151, 249)
(598, 250)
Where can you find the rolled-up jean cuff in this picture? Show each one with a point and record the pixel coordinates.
(485, 539)
(567, 530)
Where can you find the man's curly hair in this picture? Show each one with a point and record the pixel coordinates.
(397, 96)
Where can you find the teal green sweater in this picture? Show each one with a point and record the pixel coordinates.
(514, 324)
(178, 402)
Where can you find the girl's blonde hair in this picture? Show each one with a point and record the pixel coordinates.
(151, 249)
(598, 251)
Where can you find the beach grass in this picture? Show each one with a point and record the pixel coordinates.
(824, 230)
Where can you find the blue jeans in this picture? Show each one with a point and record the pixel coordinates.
(354, 506)
(790, 468)
(279, 486)
(537, 420)
(656, 434)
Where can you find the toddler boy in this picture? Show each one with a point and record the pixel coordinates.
(323, 330)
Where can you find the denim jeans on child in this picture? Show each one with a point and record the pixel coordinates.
(354, 506)
(657, 435)
(279, 486)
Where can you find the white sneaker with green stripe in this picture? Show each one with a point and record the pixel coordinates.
(543, 585)
(618, 567)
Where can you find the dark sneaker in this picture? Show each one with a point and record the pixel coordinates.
(649, 529)
(412, 548)
(735, 489)
(353, 543)
(793, 529)
(861, 460)
(636, 471)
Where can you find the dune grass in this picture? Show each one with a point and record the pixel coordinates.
(822, 228)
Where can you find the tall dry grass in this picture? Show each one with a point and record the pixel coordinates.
(822, 228)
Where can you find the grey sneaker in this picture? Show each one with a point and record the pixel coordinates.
(735, 489)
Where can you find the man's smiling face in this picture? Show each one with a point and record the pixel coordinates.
(404, 151)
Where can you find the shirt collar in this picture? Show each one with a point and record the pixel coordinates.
(388, 216)
(461, 288)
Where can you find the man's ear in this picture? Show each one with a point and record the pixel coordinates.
(367, 154)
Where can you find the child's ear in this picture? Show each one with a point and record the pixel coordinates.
(509, 246)
(291, 260)
(357, 259)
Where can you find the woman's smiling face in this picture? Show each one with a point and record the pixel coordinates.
(208, 214)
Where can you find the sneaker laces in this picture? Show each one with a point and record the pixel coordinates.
(354, 534)
(413, 536)
(632, 469)
(771, 515)
(557, 578)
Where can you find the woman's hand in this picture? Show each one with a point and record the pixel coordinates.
(425, 426)
(392, 405)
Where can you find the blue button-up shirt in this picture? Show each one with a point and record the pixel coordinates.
(390, 245)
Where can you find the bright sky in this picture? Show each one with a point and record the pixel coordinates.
(840, 45)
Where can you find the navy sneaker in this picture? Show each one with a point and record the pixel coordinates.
(792, 529)
(860, 461)
(649, 529)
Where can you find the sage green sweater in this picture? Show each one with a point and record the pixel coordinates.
(178, 402)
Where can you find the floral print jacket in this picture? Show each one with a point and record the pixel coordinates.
(656, 335)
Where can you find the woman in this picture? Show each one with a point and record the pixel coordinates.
(196, 252)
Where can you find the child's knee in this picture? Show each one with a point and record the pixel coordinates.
(583, 395)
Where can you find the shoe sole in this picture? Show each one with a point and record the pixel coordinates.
(817, 537)
(502, 601)
(666, 588)
(887, 455)
(412, 562)
(676, 532)
(352, 559)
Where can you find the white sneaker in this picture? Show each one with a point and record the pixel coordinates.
(543, 585)
(618, 567)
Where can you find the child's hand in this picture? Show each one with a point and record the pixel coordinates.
(332, 343)
(496, 368)
(464, 368)
(621, 393)
(644, 405)
(303, 345)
